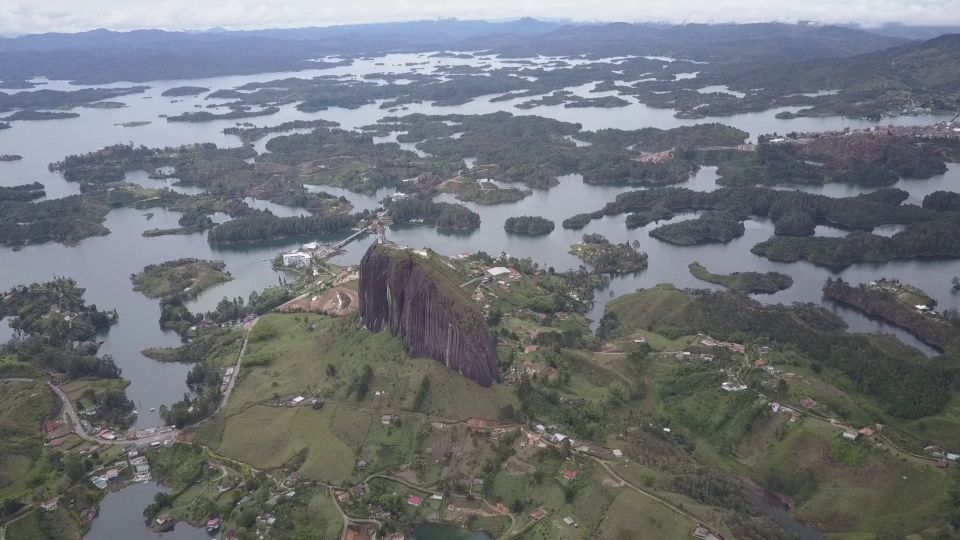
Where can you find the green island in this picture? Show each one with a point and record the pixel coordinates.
(709, 227)
(439, 214)
(482, 192)
(30, 114)
(181, 91)
(32, 102)
(10, 157)
(607, 258)
(528, 225)
(188, 277)
(250, 133)
(236, 114)
(747, 282)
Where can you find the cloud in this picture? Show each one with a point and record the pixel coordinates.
(31, 16)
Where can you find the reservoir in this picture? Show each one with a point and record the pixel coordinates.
(103, 265)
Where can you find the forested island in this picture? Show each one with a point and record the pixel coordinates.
(58, 330)
(250, 133)
(10, 157)
(259, 225)
(482, 192)
(747, 282)
(181, 91)
(709, 227)
(439, 214)
(186, 277)
(608, 258)
(30, 114)
(528, 225)
(236, 114)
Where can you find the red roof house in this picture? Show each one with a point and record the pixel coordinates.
(415, 500)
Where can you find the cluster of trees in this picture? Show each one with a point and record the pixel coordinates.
(55, 329)
(608, 258)
(249, 134)
(709, 227)
(107, 165)
(859, 212)
(528, 225)
(748, 282)
(259, 225)
(67, 220)
(871, 160)
(111, 406)
(440, 214)
(22, 193)
(62, 99)
(878, 302)
(934, 239)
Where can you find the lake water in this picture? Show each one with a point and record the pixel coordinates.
(103, 264)
(438, 531)
(121, 517)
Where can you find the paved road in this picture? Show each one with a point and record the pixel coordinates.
(78, 427)
(236, 369)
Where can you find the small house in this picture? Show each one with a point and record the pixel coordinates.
(570, 475)
(415, 500)
(851, 435)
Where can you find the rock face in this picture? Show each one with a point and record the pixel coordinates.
(415, 298)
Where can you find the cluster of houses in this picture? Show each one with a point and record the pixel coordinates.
(733, 386)
(107, 477)
(708, 341)
(943, 456)
(139, 465)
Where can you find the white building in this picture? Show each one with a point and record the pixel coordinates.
(296, 259)
(498, 271)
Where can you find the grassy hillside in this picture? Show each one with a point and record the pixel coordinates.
(318, 356)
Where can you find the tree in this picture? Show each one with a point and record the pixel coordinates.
(73, 468)
(247, 518)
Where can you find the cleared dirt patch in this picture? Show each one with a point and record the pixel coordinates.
(517, 467)
(337, 301)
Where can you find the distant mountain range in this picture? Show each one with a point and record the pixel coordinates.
(102, 56)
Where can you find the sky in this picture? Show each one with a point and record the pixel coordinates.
(34, 16)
